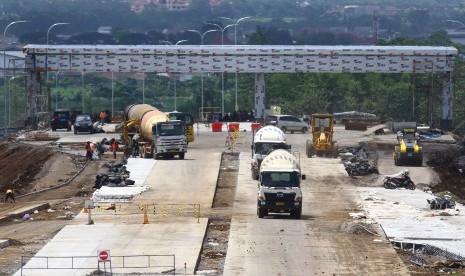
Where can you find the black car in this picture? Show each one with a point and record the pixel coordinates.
(61, 119)
(83, 123)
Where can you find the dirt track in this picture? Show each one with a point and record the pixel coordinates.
(44, 167)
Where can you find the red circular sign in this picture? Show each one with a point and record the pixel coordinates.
(103, 255)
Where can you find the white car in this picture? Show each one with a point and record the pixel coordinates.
(287, 123)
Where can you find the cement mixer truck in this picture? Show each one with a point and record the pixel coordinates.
(266, 140)
(279, 184)
(150, 133)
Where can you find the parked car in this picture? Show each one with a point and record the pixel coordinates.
(287, 123)
(83, 123)
(61, 119)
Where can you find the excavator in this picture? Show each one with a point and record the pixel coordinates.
(127, 127)
(322, 143)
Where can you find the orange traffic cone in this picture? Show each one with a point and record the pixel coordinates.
(146, 217)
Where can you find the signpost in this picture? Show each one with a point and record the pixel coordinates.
(104, 257)
(89, 204)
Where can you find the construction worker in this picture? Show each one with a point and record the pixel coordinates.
(10, 194)
(89, 150)
(103, 115)
(114, 147)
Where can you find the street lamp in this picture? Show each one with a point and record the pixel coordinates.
(175, 96)
(235, 43)
(143, 86)
(222, 73)
(235, 25)
(48, 32)
(112, 93)
(201, 43)
(5, 71)
(56, 24)
(82, 92)
(56, 88)
(456, 21)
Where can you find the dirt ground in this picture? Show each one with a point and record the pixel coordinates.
(33, 168)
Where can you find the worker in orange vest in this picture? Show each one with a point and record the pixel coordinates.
(10, 194)
(89, 150)
(103, 115)
(114, 147)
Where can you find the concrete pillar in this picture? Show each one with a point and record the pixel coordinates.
(447, 101)
(33, 96)
(259, 96)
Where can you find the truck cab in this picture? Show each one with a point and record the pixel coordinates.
(266, 140)
(279, 185)
(169, 139)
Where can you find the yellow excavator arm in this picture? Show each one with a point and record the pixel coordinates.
(126, 127)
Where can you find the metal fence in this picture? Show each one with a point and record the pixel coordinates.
(165, 264)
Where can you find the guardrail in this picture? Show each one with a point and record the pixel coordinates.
(164, 264)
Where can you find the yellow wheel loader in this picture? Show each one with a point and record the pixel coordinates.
(408, 149)
(322, 143)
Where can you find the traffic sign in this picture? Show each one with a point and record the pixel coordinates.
(103, 255)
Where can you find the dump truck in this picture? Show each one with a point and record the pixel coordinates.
(279, 184)
(322, 143)
(150, 133)
(265, 140)
(408, 149)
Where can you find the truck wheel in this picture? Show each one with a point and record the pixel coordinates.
(304, 130)
(75, 131)
(181, 156)
(335, 150)
(254, 176)
(396, 156)
(309, 149)
(296, 213)
(143, 155)
(262, 212)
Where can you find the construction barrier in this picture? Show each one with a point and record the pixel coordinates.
(216, 127)
(233, 127)
(154, 210)
(256, 126)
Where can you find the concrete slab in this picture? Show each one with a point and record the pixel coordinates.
(417, 223)
(184, 241)
(139, 169)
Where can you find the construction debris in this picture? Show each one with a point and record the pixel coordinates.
(440, 203)
(117, 176)
(356, 161)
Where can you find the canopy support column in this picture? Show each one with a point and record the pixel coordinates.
(33, 96)
(447, 101)
(260, 96)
